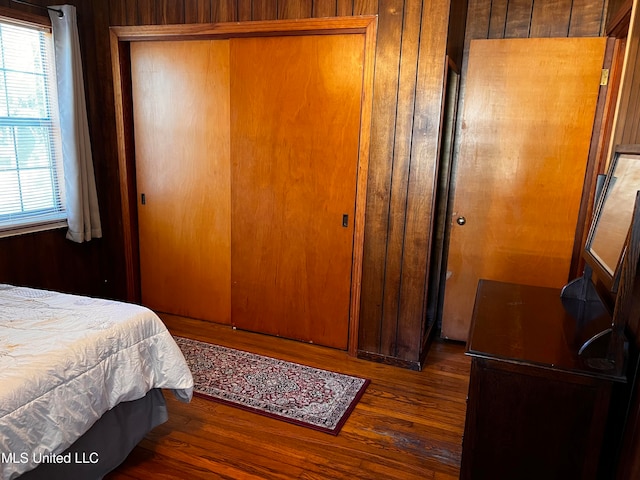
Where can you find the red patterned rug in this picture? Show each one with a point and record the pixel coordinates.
(299, 394)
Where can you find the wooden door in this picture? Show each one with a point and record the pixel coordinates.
(527, 118)
(295, 123)
(181, 122)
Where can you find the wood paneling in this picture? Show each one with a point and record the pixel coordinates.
(498, 19)
(103, 272)
(425, 144)
(615, 8)
(551, 18)
(146, 12)
(264, 10)
(385, 100)
(223, 11)
(169, 11)
(407, 104)
(327, 8)
(587, 17)
(289, 9)
(197, 11)
(400, 173)
(627, 129)
(518, 21)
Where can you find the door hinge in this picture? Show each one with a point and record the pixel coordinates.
(604, 77)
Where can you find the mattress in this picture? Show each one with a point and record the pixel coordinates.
(65, 360)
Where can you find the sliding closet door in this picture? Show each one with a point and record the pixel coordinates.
(181, 121)
(295, 122)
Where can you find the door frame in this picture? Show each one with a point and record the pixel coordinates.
(120, 40)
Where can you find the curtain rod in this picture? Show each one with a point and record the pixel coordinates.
(60, 12)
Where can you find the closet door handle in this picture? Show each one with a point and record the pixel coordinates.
(345, 220)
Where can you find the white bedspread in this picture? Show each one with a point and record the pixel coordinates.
(65, 360)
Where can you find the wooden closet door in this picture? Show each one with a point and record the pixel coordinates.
(527, 118)
(181, 122)
(295, 122)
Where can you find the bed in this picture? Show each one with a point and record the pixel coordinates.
(80, 382)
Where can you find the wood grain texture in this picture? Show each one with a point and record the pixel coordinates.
(555, 428)
(264, 10)
(587, 17)
(146, 12)
(111, 279)
(197, 11)
(408, 425)
(288, 9)
(422, 178)
(615, 7)
(117, 13)
(367, 7)
(325, 9)
(224, 11)
(170, 11)
(101, 116)
(498, 18)
(185, 222)
(244, 10)
(518, 21)
(364, 154)
(131, 12)
(399, 175)
(380, 169)
(625, 123)
(121, 69)
(256, 28)
(294, 172)
(344, 8)
(551, 18)
(521, 212)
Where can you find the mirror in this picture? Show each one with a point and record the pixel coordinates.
(612, 218)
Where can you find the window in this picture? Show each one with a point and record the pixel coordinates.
(31, 177)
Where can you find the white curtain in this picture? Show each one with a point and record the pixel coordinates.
(80, 185)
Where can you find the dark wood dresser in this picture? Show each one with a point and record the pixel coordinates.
(536, 409)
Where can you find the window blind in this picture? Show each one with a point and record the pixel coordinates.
(31, 176)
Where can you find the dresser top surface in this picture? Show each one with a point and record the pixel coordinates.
(531, 325)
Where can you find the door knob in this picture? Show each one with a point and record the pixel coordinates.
(461, 221)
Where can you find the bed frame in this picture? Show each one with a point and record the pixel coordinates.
(108, 442)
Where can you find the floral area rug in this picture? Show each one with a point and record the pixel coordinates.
(299, 394)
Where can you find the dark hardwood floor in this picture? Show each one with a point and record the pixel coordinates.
(408, 425)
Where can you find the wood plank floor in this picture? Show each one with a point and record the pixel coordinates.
(408, 425)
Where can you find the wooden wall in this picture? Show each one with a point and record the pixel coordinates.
(627, 123)
(47, 259)
(410, 60)
(414, 36)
